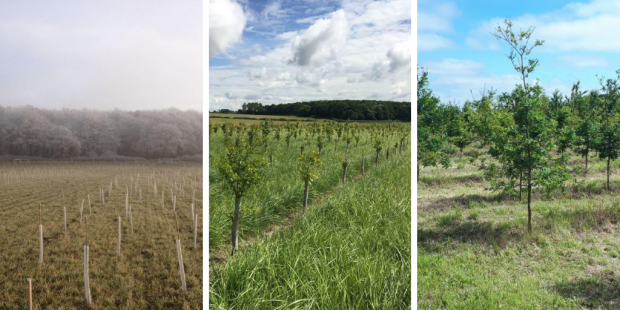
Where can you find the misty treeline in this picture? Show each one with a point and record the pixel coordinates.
(34, 132)
(356, 110)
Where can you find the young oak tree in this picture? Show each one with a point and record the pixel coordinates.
(431, 134)
(307, 171)
(526, 145)
(585, 128)
(608, 137)
(240, 168)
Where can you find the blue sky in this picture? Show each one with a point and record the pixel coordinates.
(279, 51)
(455, 45)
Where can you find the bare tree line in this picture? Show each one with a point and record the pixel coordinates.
(66, 133)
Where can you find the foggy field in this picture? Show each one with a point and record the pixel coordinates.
(474, 251)
(147, 273)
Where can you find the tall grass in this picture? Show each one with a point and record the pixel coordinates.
(351, 251)
(281, 189)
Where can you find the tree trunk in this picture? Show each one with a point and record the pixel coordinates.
(529, 198)
(271, 160)
(377, 158)
(235, 226)
(520, 185)
(344, 175)
(306, 195)
(608, 161)
(362, 165)
(587, 160)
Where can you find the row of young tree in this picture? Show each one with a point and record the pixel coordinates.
(30, 131)
(370, 110)
(529, 135)
(247, 148)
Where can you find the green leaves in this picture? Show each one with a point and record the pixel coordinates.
(431, 127)
(240, 166)
(307, 166)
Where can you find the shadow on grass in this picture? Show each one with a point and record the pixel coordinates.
(465, 201)
(599, 291)
(497, 236)
(430, 181)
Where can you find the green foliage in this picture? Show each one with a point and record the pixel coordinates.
(608, 137)
(240, 166)
(307, 167)
(519, 48)
(431, 133)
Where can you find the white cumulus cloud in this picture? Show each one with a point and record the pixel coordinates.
(226, 24)
(322, 41)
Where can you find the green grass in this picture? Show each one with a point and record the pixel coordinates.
(281, 190)
(219, 118)
(351, 251)
(474, 251)
(145, 277)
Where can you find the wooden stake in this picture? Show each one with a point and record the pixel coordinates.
(181, 267)
(30, 293)
(131, 218)
(192, 207)
(118, 248)
(81, 210)
(127, 202)
(65, 213)
(195, 230)
(40, 243)
(86, 275)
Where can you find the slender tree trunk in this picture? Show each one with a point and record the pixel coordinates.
(306, 195)
(418, 173)
(587, 160)
(344, 175)
(377, 158)
(608, 162)
(529, 198)
(362, 165)
(271, 160)
(520, 184)
(235, 226)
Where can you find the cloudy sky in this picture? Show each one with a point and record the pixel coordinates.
(460, 54)
(139, 54)
(278, 51)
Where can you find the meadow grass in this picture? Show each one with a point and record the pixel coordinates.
(280, 192)
(474, 251)
(350, 251)
(146, 276)
(221, 118)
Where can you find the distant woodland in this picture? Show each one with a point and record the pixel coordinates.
(358, 110)
(34, 132)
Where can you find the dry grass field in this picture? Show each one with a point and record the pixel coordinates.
(146, 274)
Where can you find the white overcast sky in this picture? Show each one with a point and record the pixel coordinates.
(278, 51)
(138, 54)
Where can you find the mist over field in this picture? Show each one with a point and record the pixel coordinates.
(35, 132)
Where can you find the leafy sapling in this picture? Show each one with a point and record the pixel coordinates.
(240, 168)
(307, 171)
